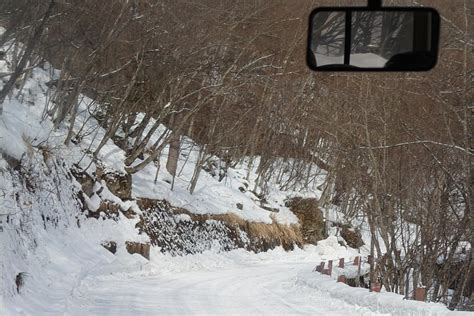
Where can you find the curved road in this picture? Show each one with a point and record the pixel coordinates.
(255, 289)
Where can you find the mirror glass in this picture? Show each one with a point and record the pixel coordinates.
(373, 40)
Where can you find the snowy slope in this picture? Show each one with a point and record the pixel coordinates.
(25, 124)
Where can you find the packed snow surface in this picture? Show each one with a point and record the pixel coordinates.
(258, 288)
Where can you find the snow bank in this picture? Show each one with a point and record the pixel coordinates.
(47, 239)
(326, 249)
(383, 302)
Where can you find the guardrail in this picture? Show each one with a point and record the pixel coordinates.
(418, 293)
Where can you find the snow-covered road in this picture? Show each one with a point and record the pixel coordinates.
(269, 289)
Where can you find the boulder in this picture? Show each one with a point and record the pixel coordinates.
(352, 238)
(106, 210)
(313, 226)
(140, 248)
(119, 184)
(129, 213)
(85, 180)
(110, 246)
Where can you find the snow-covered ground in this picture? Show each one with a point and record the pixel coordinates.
(91, 281)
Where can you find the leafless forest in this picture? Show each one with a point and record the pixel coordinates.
(232, 76)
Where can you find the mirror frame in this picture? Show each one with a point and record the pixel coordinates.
(435, 34)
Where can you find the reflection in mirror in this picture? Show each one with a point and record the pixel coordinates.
(375, 39)
(329, 31)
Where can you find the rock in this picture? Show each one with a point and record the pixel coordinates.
(269, 208)
(313, 226)
(240, 206)
(11, 161)
(260, 196)
(20, 281)
(129, 213)
(242, 189)
(211, 167)
(140, 248)
(86, 181)
(110, 246)
(119, 184)
(109, 209)
(352, 238)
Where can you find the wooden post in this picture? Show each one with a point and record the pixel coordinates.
(341, 279)
(407, 284)
(375, 287)
(341, 263)
(420, 293)
(357, 263)
(173, 156)
(330, 267)
(372, 255)
(356, 260)
(358, 267)
(370, 260)
(321, 267)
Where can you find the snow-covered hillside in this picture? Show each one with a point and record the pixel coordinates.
(25, 125)
(53, 231)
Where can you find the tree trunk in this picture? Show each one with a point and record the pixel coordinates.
(173, 154)
(73, 104)
(197, 169)
(156, 152)
(140, 144)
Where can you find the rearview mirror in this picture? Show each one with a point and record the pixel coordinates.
(360, 39)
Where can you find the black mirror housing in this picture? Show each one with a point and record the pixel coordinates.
(373, 39)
